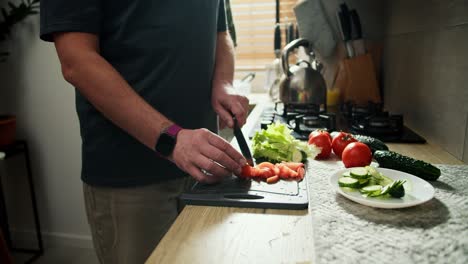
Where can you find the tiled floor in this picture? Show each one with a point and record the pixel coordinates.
(59, 255)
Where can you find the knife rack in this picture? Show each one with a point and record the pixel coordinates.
(357, 80)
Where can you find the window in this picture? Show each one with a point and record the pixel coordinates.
(254, 21)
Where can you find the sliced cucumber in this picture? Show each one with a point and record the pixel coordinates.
(348, 182)
(372, 190)
(363, 182)
(396, 189)
(296, 156)
(359, 173)
(346, 174)
(385, 190)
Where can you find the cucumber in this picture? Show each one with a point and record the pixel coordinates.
(359, 173)
(363, 182)
(373, 143)
(385, 189)
(396, 161)
(348, 182)
(346, 174)
(296, 156)
(396, 189)
(372, 190)
(378, 177)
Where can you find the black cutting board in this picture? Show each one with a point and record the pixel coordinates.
(235, 192)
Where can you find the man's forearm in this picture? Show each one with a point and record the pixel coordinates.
(224, 66)
(104, 87)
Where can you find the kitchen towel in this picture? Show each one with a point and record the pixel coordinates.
(314, 27)
(347, 232)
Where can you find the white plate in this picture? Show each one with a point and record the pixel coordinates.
(417, 191)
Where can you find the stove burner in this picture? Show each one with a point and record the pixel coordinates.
(368, 120)
(371, 120)
(306, 109)
(311, 121)
(304, 124)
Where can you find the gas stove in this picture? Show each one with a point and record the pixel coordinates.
(301, 118)
(370, 120)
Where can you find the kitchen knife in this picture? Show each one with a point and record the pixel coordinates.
(358, 41)
(242, 143)
(277, 40)
(290, 32)
(344, 23)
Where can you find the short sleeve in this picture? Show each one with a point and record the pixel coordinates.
(69, 16)
(222, 24)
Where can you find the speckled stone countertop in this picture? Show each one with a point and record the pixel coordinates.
(347, 232)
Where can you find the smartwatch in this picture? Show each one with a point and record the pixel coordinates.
(167, 140)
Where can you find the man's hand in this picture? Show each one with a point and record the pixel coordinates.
(227, 103)
(206, 156)
(224, 99)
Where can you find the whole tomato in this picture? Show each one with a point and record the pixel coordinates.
(322, 140)
(319, 131)
(356, 154)
(341, 141)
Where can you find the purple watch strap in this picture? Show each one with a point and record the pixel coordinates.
(173, 130)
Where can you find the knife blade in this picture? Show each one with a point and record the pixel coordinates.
(242, 143)
(358, 41)
(344, 24)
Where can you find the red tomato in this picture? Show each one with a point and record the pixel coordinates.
(285, 172)
(301, 173)
(270, 166)
(293, 165)
(356, 154)
(246, 171)
(266, 173)
(319, 131)
(272, 179)
(322, 141)
(341, 141)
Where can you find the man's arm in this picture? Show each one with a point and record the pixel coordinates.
(104, 87)
(224, 99)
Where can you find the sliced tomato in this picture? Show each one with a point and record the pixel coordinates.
(270, 166)
(266, 173)
(273, 179)
(266, 165)
(286, 172)
(301, 173)
(293, 165)
(246, 171)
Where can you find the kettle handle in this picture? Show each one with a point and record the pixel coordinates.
(304, 61)
(290, 47)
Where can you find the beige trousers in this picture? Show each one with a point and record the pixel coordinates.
(127, 223)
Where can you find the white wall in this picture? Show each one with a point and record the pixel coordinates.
(32, 88)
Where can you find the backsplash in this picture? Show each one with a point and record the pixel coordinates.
(426, 69)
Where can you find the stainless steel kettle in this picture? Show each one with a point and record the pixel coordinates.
(300, 83)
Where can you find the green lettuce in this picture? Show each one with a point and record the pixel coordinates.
(276, 144)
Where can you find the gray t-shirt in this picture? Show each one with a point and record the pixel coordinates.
(165, 50)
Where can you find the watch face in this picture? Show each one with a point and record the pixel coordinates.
(165, 145)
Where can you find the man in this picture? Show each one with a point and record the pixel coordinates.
(150, 77)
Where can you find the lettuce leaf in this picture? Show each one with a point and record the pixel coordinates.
(276, 144)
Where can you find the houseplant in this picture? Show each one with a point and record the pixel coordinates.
(12, 15)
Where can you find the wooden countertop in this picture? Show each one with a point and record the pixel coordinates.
(203, 234)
